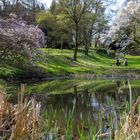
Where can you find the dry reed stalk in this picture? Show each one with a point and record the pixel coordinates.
(4, 105)
(21, 121)
(5, 108)
(131, 128)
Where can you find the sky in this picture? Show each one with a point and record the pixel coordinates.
(48, 3)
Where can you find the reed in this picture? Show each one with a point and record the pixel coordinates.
(22, 120)
(131, 128)
(122, 127)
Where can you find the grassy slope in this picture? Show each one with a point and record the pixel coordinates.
(60, 62)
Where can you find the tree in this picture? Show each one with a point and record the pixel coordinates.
(75, 10)
(56, 28)
(100, 22)
(86, 30)
(5, 8)
(48, 23)
(64, 33)
(126, 29)
(53, 7)
(26, 9)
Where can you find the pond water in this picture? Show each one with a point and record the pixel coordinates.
(82, 102)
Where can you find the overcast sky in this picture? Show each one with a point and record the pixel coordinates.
(48, 2)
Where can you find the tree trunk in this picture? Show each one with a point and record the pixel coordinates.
(86, 51)
(96, 42)
(76, 42)
(34, 11)
(86, 48)
(17, 9)
(61, 46)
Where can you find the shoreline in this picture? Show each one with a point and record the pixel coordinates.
(127, 76)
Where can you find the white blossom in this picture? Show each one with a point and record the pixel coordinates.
(124, 16)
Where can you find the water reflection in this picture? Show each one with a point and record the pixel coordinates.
(85, 100)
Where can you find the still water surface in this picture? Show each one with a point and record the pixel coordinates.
(88, 101)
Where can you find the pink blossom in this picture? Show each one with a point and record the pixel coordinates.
(19, 38)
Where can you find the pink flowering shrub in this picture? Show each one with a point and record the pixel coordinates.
(19, 41)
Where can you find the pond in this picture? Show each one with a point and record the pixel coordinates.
(77, 105)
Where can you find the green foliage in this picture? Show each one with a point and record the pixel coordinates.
(7, 71)
(57, 29)
(53, 7)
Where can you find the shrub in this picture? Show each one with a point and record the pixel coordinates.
(18, 40)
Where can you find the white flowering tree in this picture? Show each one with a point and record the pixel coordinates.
(19, 41)
(126, 29)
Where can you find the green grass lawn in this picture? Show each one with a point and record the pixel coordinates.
(60, 62)
(56, 62)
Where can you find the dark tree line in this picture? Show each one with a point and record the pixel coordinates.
(25, 9)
